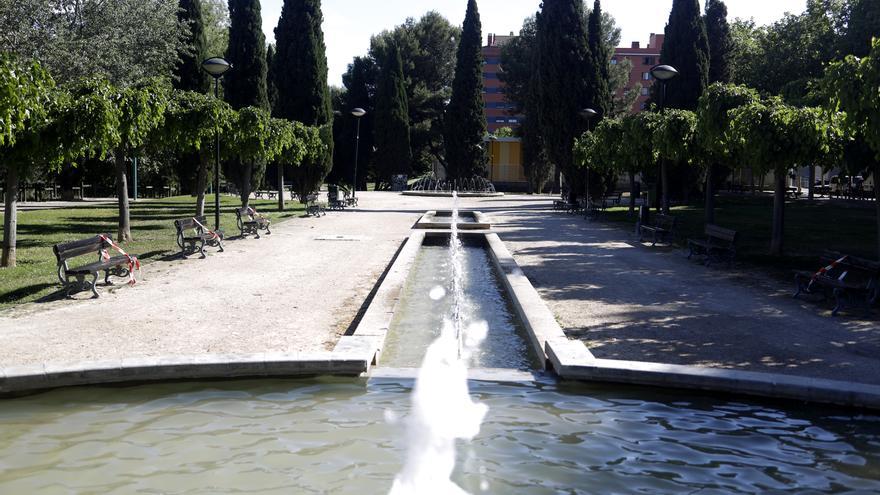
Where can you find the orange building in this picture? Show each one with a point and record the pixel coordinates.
(642, 59)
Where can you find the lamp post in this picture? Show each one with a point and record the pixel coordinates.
(358, 113)
(664, 73)
(216, 67)
(589, 114)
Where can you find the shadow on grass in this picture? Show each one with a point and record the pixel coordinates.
(30, 290)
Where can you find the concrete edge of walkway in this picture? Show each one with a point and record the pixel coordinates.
(368, 337)
(443, 194)
(344, 362)
(537, 318)
(571, 360)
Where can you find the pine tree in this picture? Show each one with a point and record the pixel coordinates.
(391, 131)
(245, 84)
(564, 61)
(685, 47)
(301, 82)
(720, 42)
(599, 91)
(189, 75)
(465, 124)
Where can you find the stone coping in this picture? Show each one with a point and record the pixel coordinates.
(346, 361)
(444, 194)
(368, 337)
(571, 360)
(429, 221)
(500, 375)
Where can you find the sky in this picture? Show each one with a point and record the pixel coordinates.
(348, 24)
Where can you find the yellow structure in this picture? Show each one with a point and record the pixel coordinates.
(505, 159)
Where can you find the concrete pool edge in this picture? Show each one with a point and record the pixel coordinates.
(428, 221)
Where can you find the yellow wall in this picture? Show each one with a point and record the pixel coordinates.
(506, 160)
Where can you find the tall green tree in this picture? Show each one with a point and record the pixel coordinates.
(852, 84)
(713, 131)
(271, 76)
(599, 91)
(301, 80)
(465, 123)
(391, 131)
(191, 121)
(24, 98)
(685, 47)
(189, 75)
(360, 92)
(862, 25)
(245, 84)
(720, 42)
(215, 15)
(776, 137)
(74, 39)
(563, 77)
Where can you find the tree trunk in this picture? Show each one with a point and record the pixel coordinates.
(664, 180)
(778, 214)
(124, 233)
(710, 194)
(764, 179)
(280, 187)
(202, 183)
(245, 193)
(812, 183)
(752, 182)
(877, 203)
(10, 218)
(632, 190)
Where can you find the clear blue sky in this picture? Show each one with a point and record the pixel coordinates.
(348, 24)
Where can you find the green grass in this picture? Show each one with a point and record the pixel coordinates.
(152, 228)
(810, 228)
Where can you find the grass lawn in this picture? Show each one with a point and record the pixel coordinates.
(152, 227)
(810, 228)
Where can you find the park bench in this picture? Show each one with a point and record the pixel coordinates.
(268, 194)
(192, 231)
(349, 198)
(251, 222)
(660, 228)
(719, 245)
(333, 201)
(313, 207)
(75, 278)
(613, 199)
(792, 193)
(850, 280)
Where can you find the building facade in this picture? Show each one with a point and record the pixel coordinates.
(642, 59)
(495, 106)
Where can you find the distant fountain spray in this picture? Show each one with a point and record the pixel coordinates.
(442, 409)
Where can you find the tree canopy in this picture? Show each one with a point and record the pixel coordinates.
(685, 47)
(245, 84)
(391, 132)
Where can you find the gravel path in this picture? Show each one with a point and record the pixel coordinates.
(301, 287)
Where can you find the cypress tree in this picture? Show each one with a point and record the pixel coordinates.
(301, 81)
(189, 75)
(720, 41)
(686, 47)
(863, 24)
(564, 61)
(391, 131)
(465, 123)
(599, 90)
(271, 89)
(245, 84)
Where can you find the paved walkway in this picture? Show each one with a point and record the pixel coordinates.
(301, 287)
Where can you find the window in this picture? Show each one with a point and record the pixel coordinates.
(644, 105)
(644, 91)
(614, 61)
(492, 61)
(491, 90)
(490, 75)
(649, 60)
(512, 121)
(646, 76)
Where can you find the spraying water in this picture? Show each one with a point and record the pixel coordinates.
(442, 409)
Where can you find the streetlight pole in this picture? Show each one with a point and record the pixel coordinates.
(664, 73)
(216, 67)
(588, 114)
(358, 113)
